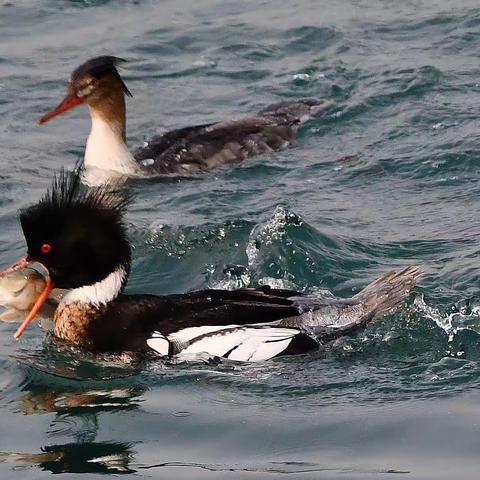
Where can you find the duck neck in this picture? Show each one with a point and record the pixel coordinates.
(101, 293)
(79, 317)
(106, 144)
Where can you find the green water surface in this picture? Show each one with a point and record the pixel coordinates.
(388, 179)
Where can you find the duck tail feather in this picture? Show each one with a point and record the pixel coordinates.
(385, 294)
(298, 111)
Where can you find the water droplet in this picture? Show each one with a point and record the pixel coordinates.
(302, 76)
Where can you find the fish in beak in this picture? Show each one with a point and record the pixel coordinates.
(23, 263)
(19, 291)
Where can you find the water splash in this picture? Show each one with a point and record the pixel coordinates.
(232, 277)
(266, 234)
(463, 316)
(268, 250)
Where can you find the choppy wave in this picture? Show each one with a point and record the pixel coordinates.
(390, 178)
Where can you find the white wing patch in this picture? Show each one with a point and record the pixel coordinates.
(257, 349)
(188, 334)
(159, 343)
(242, 343)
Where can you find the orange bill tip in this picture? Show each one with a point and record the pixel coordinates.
(69, 102)
(36, 308)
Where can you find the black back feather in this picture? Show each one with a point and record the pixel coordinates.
(98, 67)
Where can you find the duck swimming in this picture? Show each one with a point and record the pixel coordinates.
(98, 84)
(78, 235)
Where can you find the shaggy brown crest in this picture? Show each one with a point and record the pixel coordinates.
(98, 68)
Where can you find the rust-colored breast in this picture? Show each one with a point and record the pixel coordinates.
(72, 321)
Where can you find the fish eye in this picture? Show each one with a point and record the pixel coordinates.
(46, 248)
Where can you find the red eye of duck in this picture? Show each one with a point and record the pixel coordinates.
(46, 248)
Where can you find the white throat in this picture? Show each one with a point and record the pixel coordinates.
(107, 150)
(99, 293)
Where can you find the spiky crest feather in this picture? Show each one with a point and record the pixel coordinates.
(84, 228)
(98, 67)
(67, 193)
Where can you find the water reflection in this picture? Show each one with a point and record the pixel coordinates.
(78, 403)
(118, 458)
(85, 457)
(76, 416)
(73, 389)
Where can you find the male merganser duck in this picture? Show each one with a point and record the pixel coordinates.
(182, 151)
(79, 237)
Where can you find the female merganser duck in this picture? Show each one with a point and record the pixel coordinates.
(183, 151)
(79, 237)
